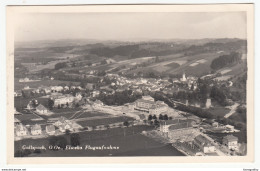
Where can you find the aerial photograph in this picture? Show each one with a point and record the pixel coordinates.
(109, 84)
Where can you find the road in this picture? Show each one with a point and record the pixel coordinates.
(232, 110)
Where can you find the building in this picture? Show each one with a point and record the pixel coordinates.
(204, 144)
(171, 125)
(18, 93)
(65, 126)
(41, 109)
(60, 121)
(20, 130)
(212, 122)
(98, 103)
(47, 90)
(183, 78)
(208, 103)
(50, 129)
(231, 142)
(89, 86)
(147, 105)
(78, 97)
(229, 128)
(63, 99)
(95, 93)
(56, 88)
(36, 130)
(24, 80)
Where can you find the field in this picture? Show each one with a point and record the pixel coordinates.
(104, 121)
(130, 144)
(19, 86)
(219, 111)
(30, 119)
(90, 114)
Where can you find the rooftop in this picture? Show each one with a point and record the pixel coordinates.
(231, 138)
(41, 107)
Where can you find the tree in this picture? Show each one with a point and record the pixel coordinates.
(126, 123)
(75, 139)
(60, 65)
(154, 117)
(50, 104)
(160, 117)
(150, 117)
(58, 106)
(67, 104)
(165, 117)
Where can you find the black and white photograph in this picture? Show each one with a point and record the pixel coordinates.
(93, 83)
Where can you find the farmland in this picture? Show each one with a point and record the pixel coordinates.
(106, 121)
(20, 102)
(219, 111)
(30, 119)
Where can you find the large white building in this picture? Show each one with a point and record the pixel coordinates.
(148, 105)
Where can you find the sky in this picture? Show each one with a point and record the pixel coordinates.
(130, 26)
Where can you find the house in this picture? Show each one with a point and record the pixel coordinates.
(204, 144)
(147, 105)
(60, 121)
(89, 86)
(24, 80)
(211, 122)
(98, 103)
(66, 88)
(18, 93)
(65, 126)
(50, 129)
(78, 96)
(229, 128)
(26, 87)
(95, 93)
(41, 109)
(56, 88)
(208, 103)
(20, 130)
(30, 105)
(36, 130)
(47, 90)
(231, 142)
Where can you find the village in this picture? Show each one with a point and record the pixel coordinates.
(61, 109)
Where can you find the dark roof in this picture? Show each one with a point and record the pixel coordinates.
(231, 138)
(41, 107)
(202, 140)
